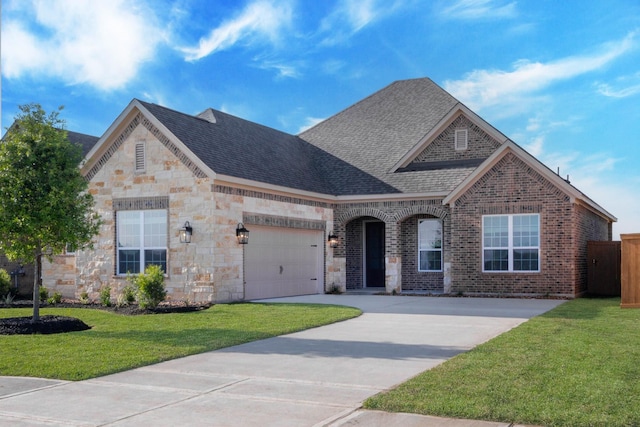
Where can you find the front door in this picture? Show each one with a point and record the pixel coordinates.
(374, 254)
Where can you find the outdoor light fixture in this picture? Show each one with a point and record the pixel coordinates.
(333, 240)
(185, 233)
(242, 234)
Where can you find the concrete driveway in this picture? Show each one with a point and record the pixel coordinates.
(317, 377)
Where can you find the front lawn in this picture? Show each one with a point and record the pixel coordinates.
(577, 365)
(117, 342)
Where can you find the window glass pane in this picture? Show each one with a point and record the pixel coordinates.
(430, 260)
(496, 260)
(496, 231)
(429, 234)
(156, 257)
(128, 229)
(155, 228)
(525, 231)
(525, 260)
(128, 261)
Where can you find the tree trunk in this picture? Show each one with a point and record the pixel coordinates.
(36, 289)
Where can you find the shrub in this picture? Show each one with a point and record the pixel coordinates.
(84, 297)
(105, 296)
(150, 286)
(129, 294)
(8, 298)
(5, 282)
(44, 294)
(55, 299)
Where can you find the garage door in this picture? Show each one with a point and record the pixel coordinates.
(283, 262)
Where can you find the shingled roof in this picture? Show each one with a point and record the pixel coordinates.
(375, 133)
(236, 147)
(85, 141)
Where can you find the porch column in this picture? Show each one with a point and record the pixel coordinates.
(337, 260)
(393, 258)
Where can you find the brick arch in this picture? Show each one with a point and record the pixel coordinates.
(353, 213)
(410, 211)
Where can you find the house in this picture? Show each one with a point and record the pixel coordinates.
(421, 193)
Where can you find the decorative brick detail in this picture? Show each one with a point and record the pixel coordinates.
(282, 221)
(233, 191)
(348, 224)
(140, 203)
(117, 142)
(114, 147)
(173, 148)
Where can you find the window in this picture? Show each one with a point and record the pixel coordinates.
(429, 245)
(461, 139)
(141, 240)
(511, 242)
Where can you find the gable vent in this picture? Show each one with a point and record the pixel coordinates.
(140, 157)
(461, 139)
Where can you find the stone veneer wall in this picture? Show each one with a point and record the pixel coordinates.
(210, 268)
(166, 183)
(512, 187)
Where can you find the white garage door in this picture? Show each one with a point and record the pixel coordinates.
(283, 262)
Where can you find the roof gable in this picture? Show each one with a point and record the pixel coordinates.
(429, 148)
(510, 147)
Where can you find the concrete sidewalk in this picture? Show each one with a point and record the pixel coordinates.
(317, 377)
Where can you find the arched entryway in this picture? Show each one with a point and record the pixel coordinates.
(365, 239)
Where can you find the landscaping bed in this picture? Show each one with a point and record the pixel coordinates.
(61, 324)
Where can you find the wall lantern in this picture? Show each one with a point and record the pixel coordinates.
(185, 233)
(242, 234)
(333, 240)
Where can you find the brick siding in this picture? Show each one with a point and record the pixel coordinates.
(481, 144)
(513, 187)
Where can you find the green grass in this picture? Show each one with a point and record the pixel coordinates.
(577, 365)
(116, 342)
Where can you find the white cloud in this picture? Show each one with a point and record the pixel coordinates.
(257, 21)
(284, 70)
(309, 122)
(100, 43)
(535, 146)
(479, 9)
(486, 88)
(624, 87)
(351, 16)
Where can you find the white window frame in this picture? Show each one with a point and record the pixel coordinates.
(141, 245)
(461, 137)
(430, 249)
(510, 247)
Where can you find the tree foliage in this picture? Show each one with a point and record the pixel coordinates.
(44, 203)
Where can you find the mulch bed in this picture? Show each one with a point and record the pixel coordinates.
(46, 325)
(51, 324)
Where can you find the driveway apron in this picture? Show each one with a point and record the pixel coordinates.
(316, 377)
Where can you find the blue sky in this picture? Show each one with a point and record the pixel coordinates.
(560, 78)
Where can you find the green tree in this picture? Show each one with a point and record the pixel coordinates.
(44, 203)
